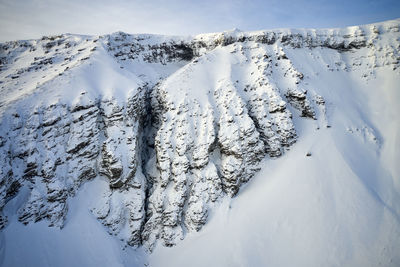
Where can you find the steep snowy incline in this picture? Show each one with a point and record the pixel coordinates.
(244, 93)
(73, 127)
(330, 201)
(155, 137)
(216, 118)
(317, 212)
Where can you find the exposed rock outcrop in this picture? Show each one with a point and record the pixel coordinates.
(183, 122)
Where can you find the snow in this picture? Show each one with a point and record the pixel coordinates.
(340, 206)
(337, 207)
(318, 212)
(82, 242)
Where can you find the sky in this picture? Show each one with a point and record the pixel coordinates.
(28, 19)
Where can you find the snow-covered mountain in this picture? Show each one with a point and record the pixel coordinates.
(152, 139)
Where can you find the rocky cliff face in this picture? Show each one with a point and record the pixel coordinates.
(174, 124)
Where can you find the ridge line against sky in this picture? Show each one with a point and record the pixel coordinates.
(31, 19)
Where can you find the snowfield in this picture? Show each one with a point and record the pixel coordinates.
(267, 148)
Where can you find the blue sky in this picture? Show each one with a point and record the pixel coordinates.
(24, 19)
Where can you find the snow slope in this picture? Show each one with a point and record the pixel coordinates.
(337, 207)
(82, 242)
(160, 132)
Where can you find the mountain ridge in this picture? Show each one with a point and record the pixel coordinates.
(175, 126)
